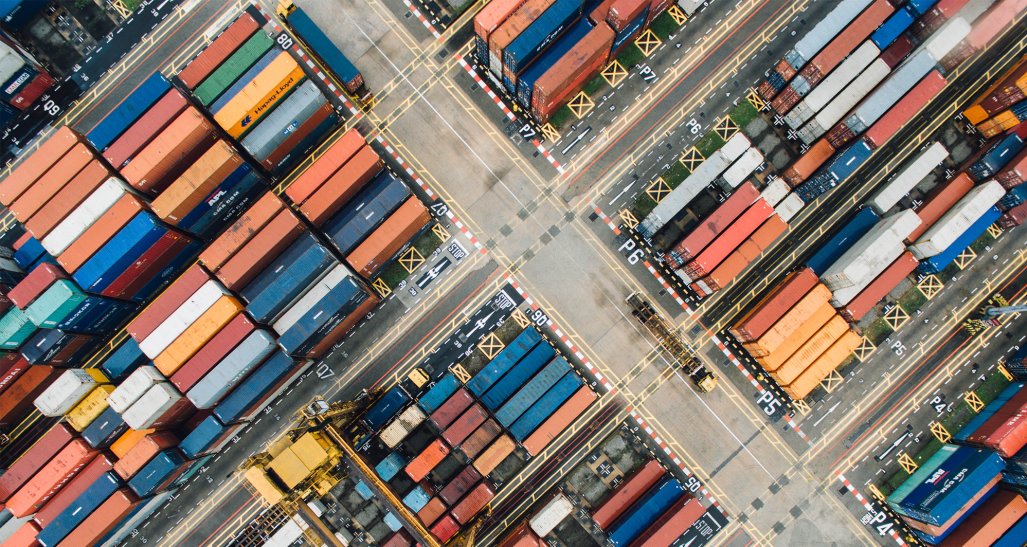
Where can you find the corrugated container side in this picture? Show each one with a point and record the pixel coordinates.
(264, 247)
(198, 335)
(170, 300)
(325, 166)
(718, 221)
(806, 382)
(473, 502)
(186, 192)
(811, 350)
(939, 201)
(627, 493)
(218, 51)
(790, 321)
(138, 102)
(256, 99)
(103, 520)
(240, 232)
(37, 164)
(559, 421)
(389, 238)
(16, 400)
(645, 511)
(420, 466)
(763, 316)
(74, 488)
(67, 199)
(494, 455)
(672, 523)
(50, 183)
(342, 185)
(144, 452)
(779, 356)
(233, 368)
(49, 480)
(459, 485)
(170, 153)
(730, 239)
(58, 529)
(808, 163)
(517, 23)
(146, 128)
(571, 72)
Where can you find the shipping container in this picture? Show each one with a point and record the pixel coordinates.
(481, 438)
(828, 27)
(520, 20)
(460, 485)
(763, 316)
(856, 308)
(146, 128)
(50, 183)
(988, 411)
(338, 189)
(570, 74)
(559, 421)
(494, 455)
(907, 178)
(934, 502)
(134, 519)
(99, 465)
(545, 406)
(746, 253)
(130, 390)
(255, 387)
(278, 125)
(49, 480)
(390, 466)
(325, 166)
(105, 429)
(810, 378)
(103, 520)
(204, 438)
(239, 233)
(18, 399)
(96, 236)
(843, 240)
(143, 452)
(76, 512)
(409, 419)
(326, 312)
(672, 523)
(960, 216)
(185, 193)
(939, 201)
(722, 217)
(258, 253)
(464, 425)
(539, 35)
(680, 197)
(90, 408)
(124, 361)
(34, 459)
(633, 487)
(445, 528)
(905, 109)
(532, 391)
(365, 212)
(181, 317)
(645, 511)
(160, 473)
(789, 322)
(38, 163)
(91, 177)
(729, 240)
(385, 408)
(170, 153)
(487, 21)
(438, 393)
(126, 113)
(796, 339)
(872, 253)
(431, 512)
(231, 370)
(325, 50)
(258, 97)
(807, 164)
(556, 508)
(161, 406)
(991, 521)
(234, 69)
(473, 502)
(504, 361)
(526, 81)
(420, 466)
(302, 140)
(833, 84)
(72, 386)
(935, 534)
(35, 284)
(448, 412)
(219, 50)
(503, 389)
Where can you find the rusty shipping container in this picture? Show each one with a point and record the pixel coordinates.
(240, 232)
(795, 340)
(481, 438)
(457, 403)
(389, 238)
(494, 455)
(627, 493)
(463, 426)
(170, 153)
(37, 164)
(16, 401)
(766, 312)
(196, 183)
(259, 251)
(570, 74)
(37, 456)
(431, 512)
(459, 485)
(342, 185)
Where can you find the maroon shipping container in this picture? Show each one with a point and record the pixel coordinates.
(459, 485)
(463, 426)
(63, 357)
(36, 196)
(987, 524)
(445, 528)
(146, 128)
(283, 154)
(785, 100)
(895, 53)
(839, 135)
(33, 91)
(1014, 172)
(220, 49)
(522, 536)
(672, 523)
(5, 301)
(37, 164)
(570, 74)
(170, 153)
(12, 366)
(766, 90)
(168, 301)
(627, 493)
(717, 222)
(74, 193)
(763, 316)
(399, 538)
(232, 239)
(265, 246)
(939, 201)
(730, 239)
(342, 186)
(16, 401)
(149, 264)
(623, 12)
(473, 502)
(1013, 217)
(451, 409)
(22, 470)
(51, 478)
(878, 288)
(432, 511)
(180, 412)
(905, 109)
(85, 478)
(1005, 94)
(481, 438)
(35, 283)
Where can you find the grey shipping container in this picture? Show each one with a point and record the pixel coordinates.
(897, 84)
(532, 391)
(367, 211)
(82, 507)
(233, 368)
(279, 124)
(253, 388)
(825, 30)
(304, 263)
(105, 429)
(317, 318)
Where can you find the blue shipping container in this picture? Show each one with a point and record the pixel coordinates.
(532, 391)
(504, 361)
(624, 37)
(230, 182)
(287, 278)
(544, 407)
(996, 157)
(920, 475)
(935, 540)
(231, 369)
(1014, 537)
(942, 472)
(391, 465)
(29, 253)
(385, 408)
(938, 262)
(229, 206)
(987, 412)
(83, 506)
(367, 211)
(921, 6)
(194, 468)
(329, 312)
(126, 113)
(957, 489)
(645, 511)
(245, 79)
(518, 376)
(843, 240)
(431, 401)
(324, 47)
(416, 499)
(44, 344)
(119, 253)
(158, 474)
(846, 163)
(163, 277)
(105, 429)
(526, 81)
(893, 27)
(18, 13)
(257, 385)
(200, 439)
(540, 34)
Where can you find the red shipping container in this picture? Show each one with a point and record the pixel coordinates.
(337, 333)
(571, 73)
(492, 15)
(672, 523)
(451, 409)
(265, 246)
(22, 470)
(1011, 435)
(97, 235)
(420, 466)
(839, 135)
(84, 479)
(656, 9)
(522, 536)
(627, 493)
(785, 100)
(218, 51)
(233, 239)
(463, 426)
(146, 128)
(905, 109)
(33, 91)
(282, 154)
(170, 153)
(1013, 217)
(808, 163)
(445, 528)
(432, 511)
(12, 366)
(473, 502)
(744, 255)
(325, 166)
(342, 186)
(987, 524)
(879, 288)
(766, 90)
(35, 283)
(105, 518)
(212, 352)
(558, 422)
(36, 196)
(143, 452)
(1004, 95)
(847, 41)
(785, 70)
(460, 485)
(168, 301)
(763, 316)
(939, 201)
(74, 193)
(36, 165)
(717, 222)
(895, 53)
(1004, 413)
(149, 265)
(400, 538)
(25, 536)
(389, 238)
(51, 478)
(623, 12)
(730, 239)
(481, 438)
(180, 412)
(16, 401)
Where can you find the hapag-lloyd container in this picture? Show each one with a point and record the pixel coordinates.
(287, 277)
(170, 153)
(233, 368)
(184, 316)
(258, 97)
(274, 129)
(146, 128)
(138, 102)
(218, 51)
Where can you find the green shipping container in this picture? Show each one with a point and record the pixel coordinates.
(15, 328)
(235, 66)
(55, 304)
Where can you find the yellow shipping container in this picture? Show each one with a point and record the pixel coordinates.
(811, 377)
(797, 338)
(790, 321)
(975, 114)
(97, 375)
(260, 96)
(197, 335)
(127, 440)
(89, 408)
(813, 348)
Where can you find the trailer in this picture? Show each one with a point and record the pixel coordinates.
(686, 357)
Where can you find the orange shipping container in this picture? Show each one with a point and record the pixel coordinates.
(265, 246)
(770, 308)
(427, 460)
(494, 455)
(558, 422)
(518, 21)
(342, 186)
(170, 153)
(431, 512)
(101, 521)
(989, 522)
(51, 478)
(233, 239)
(34, 166)
(325, 166)
(196, 183)
(389, 238)
(24, 536)
(811, 350)
(259, 97)
(197, 335)
(808, 163)
(939, 201)
(790, 321)
(74, 193)
(810, 378)
(36, 196)
(797, 339)
(128, 440)
(101, 232)
(144, 451)
(746, 253)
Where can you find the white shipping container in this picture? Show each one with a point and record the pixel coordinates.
(151, 406)
(671, 205)
(743, 166)
(961, 216)
(945, 38)
(394, 433)
(495, 65)
(683, 276)
(884, 199)
(789, 207)
(182, 318)
(701, 284)
(897, 85)
(67, 391)
(551, 514)
(689, 6)
(843, 296)
(798, 115)
(828, 28)
(853, 93)
(872, 253)
(775, 192)
(841, 76)
(87, 213)
(735, 147)
(12, 524)
(10, 64)
(137, 383)
(412, 417)
(312, 297)
(233, 368)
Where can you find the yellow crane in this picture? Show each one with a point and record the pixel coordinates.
(672, 341)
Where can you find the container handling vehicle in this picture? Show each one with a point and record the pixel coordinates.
(668, 336)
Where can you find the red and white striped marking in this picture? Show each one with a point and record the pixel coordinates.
(424, 21)
(867, 505)
(506, 110)
(605, 218)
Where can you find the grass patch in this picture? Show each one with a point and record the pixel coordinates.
(593, 87)
(743, 114)
(950, 271)
(980, 243)
(630, 57)
(561, 116)
(426, 245)
(878, 331)
(676, 174)
(131, 5)
(710, 143)
(911, 300)
(644, 204)
(664, 26)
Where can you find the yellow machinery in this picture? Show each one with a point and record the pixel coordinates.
(671, 340)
